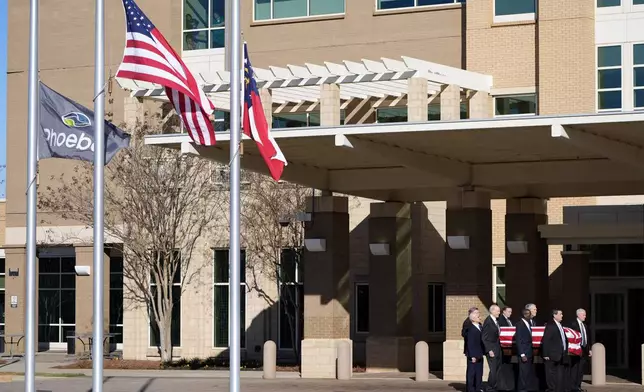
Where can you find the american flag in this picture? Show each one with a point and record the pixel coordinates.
(148, 57)
(574, 338)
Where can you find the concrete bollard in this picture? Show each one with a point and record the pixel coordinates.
(598, 365)
(344, 363)
(270, 360)
(422, 361)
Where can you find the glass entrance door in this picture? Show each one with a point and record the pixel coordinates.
(609, 321)
(56, 301)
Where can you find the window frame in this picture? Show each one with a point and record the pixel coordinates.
(495, 285)
(299, 284)
(180, 283)
(355, 307)
(416, 6)
(60, 324)
(307, 16)
(430, 328)
(598, 68)
(536, 96)
(633, 67)
(242, 283)
(529, 16)
(119, 346)
(208, 29)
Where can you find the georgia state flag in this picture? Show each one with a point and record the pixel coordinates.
(256, 126)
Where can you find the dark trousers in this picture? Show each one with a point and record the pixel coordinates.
(576, 372)
(474, 375)
(526, 379)
(494, 364)
(555, 376)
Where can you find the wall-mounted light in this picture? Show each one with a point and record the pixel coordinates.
(517, 247)
(82, 270)
(315, 244)
(458, 242)
(379, 249)
(303, 216)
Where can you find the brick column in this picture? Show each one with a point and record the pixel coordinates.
(84, 293)
(451, 103)
(576, 277)
(390, 345)
(330, 105)
(417, 99)
(480, 105)
(327, 287)
(267, 101)
(468, 272)
(526, 274)
(16, 260)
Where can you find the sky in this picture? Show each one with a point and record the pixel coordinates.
(3, 94)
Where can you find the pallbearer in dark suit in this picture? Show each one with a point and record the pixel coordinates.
(578, 364)
(475, 352)
(523, 338)
(492, 345)
(554, 348)
(466, 327)
(504, 319)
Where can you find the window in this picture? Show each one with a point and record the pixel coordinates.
(391, 115)
(514, 10)
(222, 121)
(300, 120)
(362, 307)
(638, 2)
(284, 9)
(611, 3)
(638, 75)
(609, 77)
(499, 285)
(221, 297)
(175, 323)
(291, 304)
(203, 24)
(2, 294)
(514, 105)
(116, 297)
(436, 307)
(611, 261)
(434, 112)
(56, 296)
(393, 4)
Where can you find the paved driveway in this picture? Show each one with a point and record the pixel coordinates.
(167, 384)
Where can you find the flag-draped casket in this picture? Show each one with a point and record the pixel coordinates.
(574, 338)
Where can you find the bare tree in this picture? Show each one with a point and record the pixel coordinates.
(274, 238)
(159, 204)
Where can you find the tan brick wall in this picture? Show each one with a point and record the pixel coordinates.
(505, 51)
(3, 221)
(498, 230)
(566, 57)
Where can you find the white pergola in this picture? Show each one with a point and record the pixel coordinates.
(300, 85)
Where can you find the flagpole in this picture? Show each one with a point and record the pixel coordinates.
(235, 251)
(32, 165)
(99, 163)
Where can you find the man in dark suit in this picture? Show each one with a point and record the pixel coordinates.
(466, 327)
(577, 364)
(533, 315)
(474, 351)
(554, 348)
(492, 344)
(523, 339)
(504, 319)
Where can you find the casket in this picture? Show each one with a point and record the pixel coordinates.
(574, 339)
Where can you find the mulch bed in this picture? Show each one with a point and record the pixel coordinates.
(123, 364)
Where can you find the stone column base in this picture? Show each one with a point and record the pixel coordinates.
(455, 363)
(390, 354)
(319, 357)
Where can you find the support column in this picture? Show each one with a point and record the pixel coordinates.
(451, 103)
(84, 292)
(330, 105)
(328, 285)
(417, 99)
(266, 97)
(390, 345)
(577, 277)
(468, 271)
(14, 317)
(526, 254)
(480, 105)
